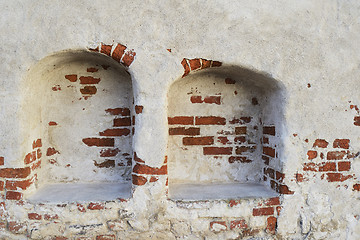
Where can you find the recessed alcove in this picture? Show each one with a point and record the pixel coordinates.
(79, 103)
(225, 128)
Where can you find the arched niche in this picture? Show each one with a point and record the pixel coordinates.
(79, 103)
(225, 131)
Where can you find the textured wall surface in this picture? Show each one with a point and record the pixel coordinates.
(304, 53)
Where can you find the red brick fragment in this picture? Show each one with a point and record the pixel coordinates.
(2, 187)
(217, 226)
(283, 189)
(344, 166)
(186, 67)
(51, 151)
(110, 152)
(118, 52)
(279, 176)
(238, 224)
(118, 111)
(1, 161)
(240, 139)
(52, 123)
(269, 151)
(30, 157)
(241, 120)
(137, 159)
(89, 80)
(270, 130)
(242, 149)
(117, 132)
(181, 120)
(71, 78)
(233, 159)
(128, 57)
(92, 69)
(14, 172)
(213, 99)
(80, 207)
(184, 131)
(205, 63)
(357, 121)
(153, 179)
(217, 150)
(216, 64)
(269, 172)
(95, 206)
(56, 88)
(196, 99)
(14, 185)
(119, 122)
(194, 64)
(34, 216)
(147, 170)
(210, 120)
(312, 154)
(139, 109)
(99, 142)
(335, 155)
(51, 217)
(11, 195)
(37, 143)
(271, 225)
(272, 201)
(138, 180)
(223, 140)
(337, 177)
(106, 49)
(17, 227)
(341, 143)
(198, 140)
(88, 90)
(229, 81)
(240, 130)
(105, 164)
(36, 165)
(321, 143)
(356, 187)
(263, 211)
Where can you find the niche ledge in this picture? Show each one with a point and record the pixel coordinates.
(81, 192)
(219, 191)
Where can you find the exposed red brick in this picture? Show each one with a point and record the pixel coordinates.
(11, 195)
(196, 99)
(51, 217)
(283, 189)
(356, 187)
(263, 211)
(106, 49)
(205, 63)
(88, 90)
(279, 176)
(99, 142)
(17, 227)
(270, 130)
(337, 177)
(147, 170)
(341, 143)
(233, 159)
(321, 167)
(299, 177)
(117, 132)
(271, 225)
(51, 151)
(95, 206)
(241, 120)
(357, 120)
(30, 157)
(128, 57)
(242, 149)
(184, 131)
(238, 224)
(138, 180)
(118, 52)
(229, 81)
(321, 143)
(110, 152)
(56, 88)
(52, 123)
(194, 64)
(38, 153)
(183, 120)
(92, 69)
(118, 111)
(137, 159)
(210, 120)
(1, 161)
(335, 155)
(168, 49)
(344, 166)
(34, 216)
(153, 179)
(36, 165)
(139, 109)
(186, 67)
(216, 64)
(272, 201)
(274, 185)
(312, 154)
(240, 139)
(119, 122)
(214, 223)
(269, 172)
(266, 159)
(37, 143)
(80, 207)
(71, 77)
(94, 49)
(269, 151)
(14, 185)
(198, 140)
(89, 80)
(105, 164)
(105, 237)
(223, 140)
(213, 99)
(217, 150)
(14, 172)
(240, 130)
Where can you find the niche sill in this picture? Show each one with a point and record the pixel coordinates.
(219, 191)
(80, 192)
